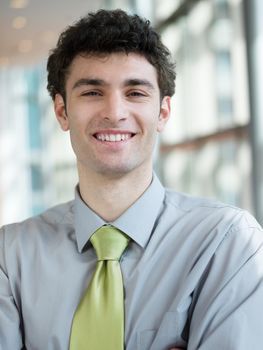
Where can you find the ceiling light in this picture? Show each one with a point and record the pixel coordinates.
(25, 46)
(18, 4)
(19, 22)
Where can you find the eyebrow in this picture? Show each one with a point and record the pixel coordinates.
(100, 82)
(88, 81)
(135, 82)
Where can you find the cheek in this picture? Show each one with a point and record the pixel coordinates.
(77, 128)
(149, 116)
(77, 118)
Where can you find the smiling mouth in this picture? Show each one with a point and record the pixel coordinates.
(113, 137)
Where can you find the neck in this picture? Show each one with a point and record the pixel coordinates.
(110, 197)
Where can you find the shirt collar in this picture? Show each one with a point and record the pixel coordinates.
(137, 221)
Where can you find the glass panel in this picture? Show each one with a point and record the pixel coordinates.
(218, 170)
(208, 45)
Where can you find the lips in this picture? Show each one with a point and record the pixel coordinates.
(113, 137)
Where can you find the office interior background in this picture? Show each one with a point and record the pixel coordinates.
(213, 144)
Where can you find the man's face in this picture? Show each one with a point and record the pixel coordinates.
(113, 112)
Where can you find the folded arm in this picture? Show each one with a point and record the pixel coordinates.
(10, 333)
(228, 303)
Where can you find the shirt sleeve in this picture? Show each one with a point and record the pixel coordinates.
(228, 303)
(10, 331)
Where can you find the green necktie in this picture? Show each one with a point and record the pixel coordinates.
(98, 322)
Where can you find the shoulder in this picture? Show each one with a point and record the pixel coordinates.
(49, 221)
(210, 213)
(213, 233)
(186, 202)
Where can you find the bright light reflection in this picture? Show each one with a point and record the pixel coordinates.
(19, 22)
(198, 20)
(18, 4)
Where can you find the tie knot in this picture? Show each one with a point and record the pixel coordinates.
(109, 243)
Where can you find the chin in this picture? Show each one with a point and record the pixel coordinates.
(114, 172)
(117, 171)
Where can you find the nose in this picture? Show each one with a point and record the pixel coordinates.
(115, 108)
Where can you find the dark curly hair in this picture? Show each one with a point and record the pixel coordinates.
(106, 32)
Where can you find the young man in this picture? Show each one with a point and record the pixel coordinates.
(192, 270)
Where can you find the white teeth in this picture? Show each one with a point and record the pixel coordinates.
(113, 137)
(124, 137)
(118, 137)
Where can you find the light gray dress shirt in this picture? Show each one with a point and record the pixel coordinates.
(193, 274)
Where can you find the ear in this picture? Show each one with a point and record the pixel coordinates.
(60, 110)
(164, 113)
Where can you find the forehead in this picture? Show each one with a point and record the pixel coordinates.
(115, 67)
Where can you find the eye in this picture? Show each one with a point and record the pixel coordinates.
(91, 93)
(137, 93)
